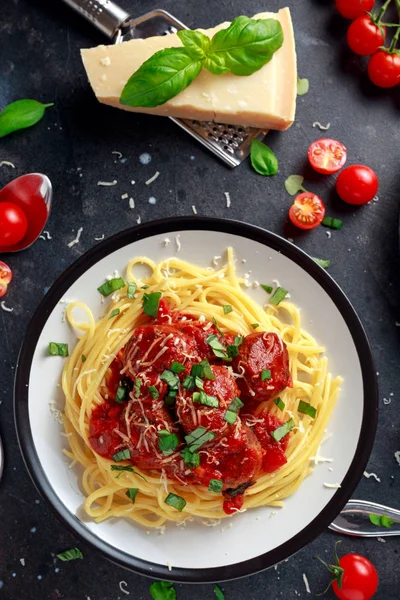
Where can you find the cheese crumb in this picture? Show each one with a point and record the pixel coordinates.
(194, 209)
(117, 153)
(47, 234)
(106, 61)
(329, 234)
(122, 586)
(107, 183)
(166, 242)
(7, 163)
(332, 485)
(98, 239)
(322, 127)
(22, 561)
(139, 220)
(374, 475)
(124, 196)
(306, 583)
(4, 307)
(169, 565)
(397, 457)
(149, 181)
(178, 243)
(228, 199)
(76, 240)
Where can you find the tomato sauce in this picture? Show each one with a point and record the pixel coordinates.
(143, 397)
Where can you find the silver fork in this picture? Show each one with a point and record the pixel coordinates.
(354, 520)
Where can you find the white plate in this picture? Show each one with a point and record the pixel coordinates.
(258, 538)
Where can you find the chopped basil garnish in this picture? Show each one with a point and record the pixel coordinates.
(322, 263)
(136, 387)
(111, 286)
(278, 295)
(124, 388)
(217, 327)
(162, 590)
(332, 223)
(170, 398)
(131, 291)
(265, 374)
(255, 325)
(122, 455)
(191, 459)
(56, 349)
(197, 371)
(283, 430)
(167, 442)
(238, 491)
(233, 349)
(198, 437)
(176, 367)
(188, 383)
(227, 309)
(199, 383)
(83, 358)
(215, 485)
(151, 303)
(131, 493)
(175, 501)
(233, 409)
(114, 313)
(153, 391)
(207, 372)
(128, 469)
(144, 287)
(218, 348)
(267, 288)
(71, 554)
(381, 520)
(170, 378)
(219, 594)
(307, 409)
(230, 417)
(205, 399)
(279, 403)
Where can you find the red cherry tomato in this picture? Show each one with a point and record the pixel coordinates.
(13, 224)
(360, 579)
(307, 211)
(364, 37)
(384, 69)
(5, 277)
(357, 184)
(351, 9)
(327, 156)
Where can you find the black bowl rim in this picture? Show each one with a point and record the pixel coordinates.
(369, 419)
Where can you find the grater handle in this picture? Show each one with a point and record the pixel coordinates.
(107, 16)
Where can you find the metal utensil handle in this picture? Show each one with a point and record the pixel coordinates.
(354, 519)
(104, 14)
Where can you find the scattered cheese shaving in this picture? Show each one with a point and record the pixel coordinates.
(178, 243)
(7, 163)
(306, 583)
(149, 181)
(122, 586)
(76, 240)
(124, 196)
(118, 154)
(380, 539)
(166, 242)
(22, 561)
(194, 209)
(47, 234)
(131, 203)
(169, 565)
(106, 61)
(332, 485)
(4, 307)
(329, 234)
(139, 220)
(107, 183)
(98, 239)
(228, 199)
(322, 127)
(374, 475)
(397, 457)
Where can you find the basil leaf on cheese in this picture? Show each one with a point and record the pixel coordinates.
(20, 115)
(196, 43)
(263, 160)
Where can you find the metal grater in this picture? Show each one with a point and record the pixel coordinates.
(230, 143)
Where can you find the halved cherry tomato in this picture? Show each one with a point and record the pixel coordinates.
(13, 224)
(357, 184)
(5, 277)
(327, 156)
(364, 37)
(360, 579)
(384, 69)
(307, 211)
(351, 9)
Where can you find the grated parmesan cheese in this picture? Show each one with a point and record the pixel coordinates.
(124, 196)
(178, 243)
(166, 242)
(169, 565)
(149, 181)
(397, 457)
(47, 234)
(118, 154)
(306, 583)
(194, 209)
(98, 239)
(76, 240)
(332, 485)
(7, 163)
(228, 199)
(107, 183)
(139, 220)
(322, 127)
(122, 586)
(4, 307)
(131, 203)
(374, 475)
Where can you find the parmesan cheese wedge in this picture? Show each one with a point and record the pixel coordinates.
(265, 99)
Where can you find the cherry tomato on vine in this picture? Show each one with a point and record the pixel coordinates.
(307, 211)
(357, 184)
(5, 277)
(327, 156)
(351, 9)
(13, 224)
(364, 37)
(360, 579)
(384, 69)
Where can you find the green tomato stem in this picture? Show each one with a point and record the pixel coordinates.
(383, 10)
(395, 37)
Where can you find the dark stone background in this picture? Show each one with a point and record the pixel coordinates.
(39, 57)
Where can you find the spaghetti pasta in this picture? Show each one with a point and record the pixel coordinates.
(199, 293)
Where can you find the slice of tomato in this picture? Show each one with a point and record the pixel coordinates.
(327, 156)
(307, 211)
(5, 277)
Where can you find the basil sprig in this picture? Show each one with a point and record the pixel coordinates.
(263, 160)
(241, 49)
(20, 115)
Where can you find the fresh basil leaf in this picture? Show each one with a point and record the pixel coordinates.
(303, 85)
(247, 44)
(219, 594)
(151, 303)
(196, 43)
(160, 78)
(263, 160)
(131, 493)
(20, 115)
(294, 184)
(215, 64)
(58, 349)
(162, 590)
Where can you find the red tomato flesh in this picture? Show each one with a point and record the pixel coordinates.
(307, 211)
(351, 9)
(13, 224)
(5, 278)
(384, 69)
(360, 579)
(364, 37)
(357, 184)
(327, 156)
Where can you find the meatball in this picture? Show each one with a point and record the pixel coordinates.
(262, 352)
(199, 332)
(273, 453)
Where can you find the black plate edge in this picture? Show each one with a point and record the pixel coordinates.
(369, 420)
